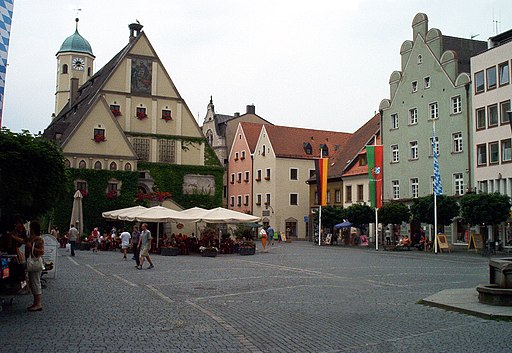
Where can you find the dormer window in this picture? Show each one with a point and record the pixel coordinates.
(307, 148)
(324, 149)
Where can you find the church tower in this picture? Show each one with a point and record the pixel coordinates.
(74, 67)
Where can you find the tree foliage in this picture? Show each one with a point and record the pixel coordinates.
(331, 215)
(485, 208)
(359, 214)
(447, 209)
(394, 213)
(32, 177)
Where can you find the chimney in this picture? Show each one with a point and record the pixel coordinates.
(73, 93)
(251, 109)
(135, 29)
(236, 115)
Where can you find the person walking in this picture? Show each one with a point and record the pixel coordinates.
(135, 244)
(34, 248)
(145, 246)
(125, 242)
(270, 234)
(73, 236)
(263, 235)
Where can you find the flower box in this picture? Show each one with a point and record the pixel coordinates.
(116, 112)
(141, 115)
(99, 138)
(170, 251)
(247, 250)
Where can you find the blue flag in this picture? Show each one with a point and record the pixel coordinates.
(6, 7)
(438, 187)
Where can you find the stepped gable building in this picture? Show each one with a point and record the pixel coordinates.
(283, 162)
(126, 114)
(432, 87)
(240, 167)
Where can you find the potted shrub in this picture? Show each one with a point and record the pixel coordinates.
(208, 243)
(245, 236)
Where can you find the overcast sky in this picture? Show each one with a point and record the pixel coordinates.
(321, 64)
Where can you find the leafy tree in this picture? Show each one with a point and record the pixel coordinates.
(485, 208)
(394, 213)
(447, 209)
(359, 214)
(32, 177)
(331, 215)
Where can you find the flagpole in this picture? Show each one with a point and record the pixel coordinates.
(376, 229)
(434, 152)
(320, 208)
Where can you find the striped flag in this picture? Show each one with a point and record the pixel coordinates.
(374, 155)
(438, 187)
(6, 7)
(321, 167)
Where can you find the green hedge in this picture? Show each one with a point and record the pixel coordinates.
(96, 200)
(169, 177)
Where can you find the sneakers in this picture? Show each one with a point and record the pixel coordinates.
(150, 267)
(139, 267)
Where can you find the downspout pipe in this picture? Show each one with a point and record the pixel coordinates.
(469, 128)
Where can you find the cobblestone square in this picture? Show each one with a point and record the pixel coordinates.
(298, 297)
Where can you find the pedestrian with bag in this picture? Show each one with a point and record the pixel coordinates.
(135, 244)
(34, 250)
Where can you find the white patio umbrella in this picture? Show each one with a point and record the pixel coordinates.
(223, 215)
(124, 213)
(195, 212)
(77, 217)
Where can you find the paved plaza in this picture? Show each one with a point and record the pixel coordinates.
(298, 297)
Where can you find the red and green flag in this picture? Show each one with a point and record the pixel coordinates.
(374, 155)
(321, 168)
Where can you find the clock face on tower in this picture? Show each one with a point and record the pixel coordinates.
(78, 64)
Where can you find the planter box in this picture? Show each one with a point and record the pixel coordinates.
(169, 251)
(247, 250)
(209, 253)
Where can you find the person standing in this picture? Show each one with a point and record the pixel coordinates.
(145, 246)
(270, 234)
(34, 248)
(135, 244)
(73, 236)
(125, 242)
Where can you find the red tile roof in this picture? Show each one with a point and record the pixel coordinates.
(288, 142)
(252, 133)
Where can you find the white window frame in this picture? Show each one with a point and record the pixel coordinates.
(337, 196)
(479, 149)
(395, 154)
(414, 150)
(232, 201)
(456, 105)
(436, 144)
(504, 107)
(413, 116)
(394, 121)
(239, 200)
(458, 184)
(290, 199)
(414, 188)
(267, 198)
(433, 110)
(414, 86)
(258, 199)
(504, 150)
(246, 200)
(296, 175)
(426, 82)
(247, 176)
(457, 145)
(395, 187)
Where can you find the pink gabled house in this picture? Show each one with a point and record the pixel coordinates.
(240, 167)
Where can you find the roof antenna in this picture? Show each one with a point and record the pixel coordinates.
(76, 19)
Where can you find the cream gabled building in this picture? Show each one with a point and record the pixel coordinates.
(284, 159)
(128, 112)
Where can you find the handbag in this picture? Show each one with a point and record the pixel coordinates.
(34, 264)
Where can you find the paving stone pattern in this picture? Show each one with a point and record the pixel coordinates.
(298, 297)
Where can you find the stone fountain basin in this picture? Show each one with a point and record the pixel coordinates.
(492, 294)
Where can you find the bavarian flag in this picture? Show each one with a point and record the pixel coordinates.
(374, 156)
(321, 168)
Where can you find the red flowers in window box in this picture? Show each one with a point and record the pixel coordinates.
(84, 193)
(112, 194)
(141, 115)
(99, 138)
(116, 112)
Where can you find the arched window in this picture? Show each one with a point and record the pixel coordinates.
(89, 71)
(97, 165)
(67, 163)
(128, 167)
(65, 68)
(113, 166)
(82, 164)
(209, 137)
